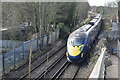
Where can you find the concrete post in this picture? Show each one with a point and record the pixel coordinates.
(119, 13)
(1, 66)
(118, 48)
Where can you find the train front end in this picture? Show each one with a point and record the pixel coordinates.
(75, 49)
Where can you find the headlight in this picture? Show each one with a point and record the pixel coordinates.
(81, 47)
(66, 53)
(81, 54)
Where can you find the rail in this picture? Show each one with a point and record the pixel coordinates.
(98, 71)
(43, 62)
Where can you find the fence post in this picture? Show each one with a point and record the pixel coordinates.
(58, 33)
(14, 57)
(47, 39)
(118, 48)
(1, 67)
(5, 44)
(23, 51)
(3, 61)
(30, 59)
(42, 43)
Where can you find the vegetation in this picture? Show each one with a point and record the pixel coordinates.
(41, 17)
(100, 10)
(82, 23)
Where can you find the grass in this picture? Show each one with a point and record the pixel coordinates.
(87, 20)
(83, 22)
(94, 58)
(107, 28)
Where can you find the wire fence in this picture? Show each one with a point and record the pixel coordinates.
(10, 43)
(16, 57)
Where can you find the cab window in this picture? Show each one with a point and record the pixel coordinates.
(76, 41)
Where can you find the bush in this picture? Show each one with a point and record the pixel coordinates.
(60, 25)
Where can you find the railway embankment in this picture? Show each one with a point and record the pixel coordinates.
(98, 57)
(107, 65)
(111, 33)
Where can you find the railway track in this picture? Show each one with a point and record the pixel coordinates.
(26, 63)
(23, 70)
(65, 69)
(42, 75)
(74, 75)
(50, 73)
(61, 70)
(35, 72)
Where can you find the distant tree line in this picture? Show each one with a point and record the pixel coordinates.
(42, 17)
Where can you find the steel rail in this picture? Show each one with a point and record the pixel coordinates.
(22, 77)
(60, 71)
(49, 68)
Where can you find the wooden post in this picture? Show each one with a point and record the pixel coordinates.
(47, 56)
(30, 58)
(119, 13)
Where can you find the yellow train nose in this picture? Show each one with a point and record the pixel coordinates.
(74, 50)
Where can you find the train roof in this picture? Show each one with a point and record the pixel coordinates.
(93, 21)
(80, 32)
(84, 30)
(86, 27)
(77, 34)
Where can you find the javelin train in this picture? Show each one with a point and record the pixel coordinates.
(81, 40)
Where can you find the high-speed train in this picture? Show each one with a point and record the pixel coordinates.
(81, 40)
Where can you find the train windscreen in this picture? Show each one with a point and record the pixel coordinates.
(76, 41)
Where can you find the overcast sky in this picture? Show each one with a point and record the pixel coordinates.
(98, 2)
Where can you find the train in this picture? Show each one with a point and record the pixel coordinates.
(81, 40)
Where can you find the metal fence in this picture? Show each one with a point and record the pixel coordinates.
(15, 57)
(10, 43)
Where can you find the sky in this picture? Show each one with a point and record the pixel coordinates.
(98, 2)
